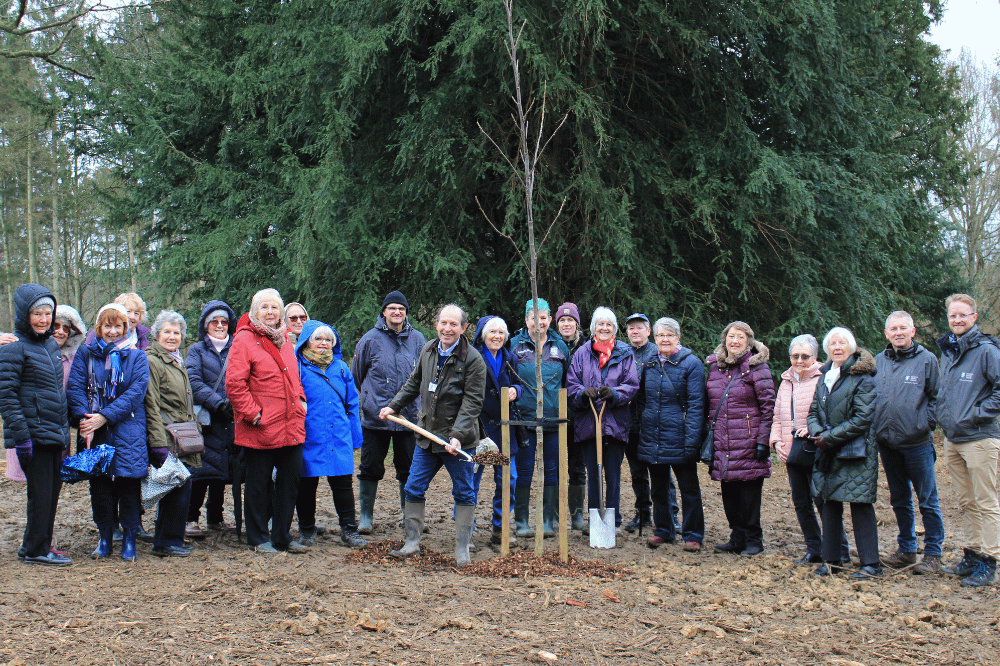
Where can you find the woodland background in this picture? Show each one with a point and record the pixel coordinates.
(795, 164)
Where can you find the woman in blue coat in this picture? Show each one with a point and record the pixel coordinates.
(672, 399)
(333, 431)
(106, 394)
(206, 368)
(491, 336)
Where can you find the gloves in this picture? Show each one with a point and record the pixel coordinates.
(607, 394)
(590, 393)
(25, 452)
(158, 456)
(763, 452)
(822, 444)
(225, 409)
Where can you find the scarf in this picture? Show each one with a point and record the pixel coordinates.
(176, 355)
(276, 335)
(112, 361)
(495, 363)
(219, 344)
(604, 350)
(318, 357)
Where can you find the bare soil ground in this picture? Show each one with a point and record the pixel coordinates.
(228, 605)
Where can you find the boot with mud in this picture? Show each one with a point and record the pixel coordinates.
(522, 499)
(464, 519)
(576, 496)
(550, 510)
(367, 490)
(413, 523)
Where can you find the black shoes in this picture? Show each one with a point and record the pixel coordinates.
(965, 566)
(752, 549)
(809, 559)
(728, 547)
(983, 574)
(868, 571)
(171, 551)
(50, 559)
(640, 517)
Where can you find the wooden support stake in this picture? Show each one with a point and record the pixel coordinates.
(563, 478)
(505, 444)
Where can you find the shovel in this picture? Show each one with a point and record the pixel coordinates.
(602, 521)
(426, 433)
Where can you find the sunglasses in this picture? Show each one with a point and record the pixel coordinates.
(298, 318)
(801, 357)
(62, 327)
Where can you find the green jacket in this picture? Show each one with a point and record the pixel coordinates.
(841, 415)
(452, 409)
(168, 400)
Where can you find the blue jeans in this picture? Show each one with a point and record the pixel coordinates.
(171, 514)
(498, 493)
(911, 471)
(614, 454)
(426, 464)
(693, 527)
(525, 460)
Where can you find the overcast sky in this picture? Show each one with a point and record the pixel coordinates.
(974, 24)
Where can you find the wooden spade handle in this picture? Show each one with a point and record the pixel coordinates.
(426, 433)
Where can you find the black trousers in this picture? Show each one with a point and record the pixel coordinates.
(215, 490)
(865, 531)
(259, 504)
(342, 488)
(375, 447)
(640, 474)
(171, 514)
(741, 500)
(44, 483)
(120, 494)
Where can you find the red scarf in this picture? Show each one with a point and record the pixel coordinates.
(604, 350)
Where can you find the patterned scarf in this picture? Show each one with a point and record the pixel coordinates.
(276, 335)
(604, 350)
(112, 361)
(318, 357)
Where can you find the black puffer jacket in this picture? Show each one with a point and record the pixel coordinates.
(32, 401)
(841, 415)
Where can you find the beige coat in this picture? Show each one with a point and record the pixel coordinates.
(799, 389)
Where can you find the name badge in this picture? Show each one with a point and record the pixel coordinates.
(432, 387)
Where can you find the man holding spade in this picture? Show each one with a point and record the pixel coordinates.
(450, 379)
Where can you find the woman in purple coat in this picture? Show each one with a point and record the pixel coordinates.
(741, 409)
(603, 371)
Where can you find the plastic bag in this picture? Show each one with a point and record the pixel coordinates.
(88, 464)
(159, 482)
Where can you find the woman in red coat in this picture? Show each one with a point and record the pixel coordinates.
(269, 409)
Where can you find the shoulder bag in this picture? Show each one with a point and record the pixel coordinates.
(708, 442)
(186, 435)
(803, 453)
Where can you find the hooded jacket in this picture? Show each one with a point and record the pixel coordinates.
(333, 425)
(620, 374)
(745, 418)
(840, 415)
(383, 361)
(257, 384)
(672, 393)
(452, 410)
(32, 401)
(204, 368)
(168, 400)
(126, 413)
(74, 340)
(969, 390)
(795, 394)
(555, 365)
(490, 416)
(906, 383)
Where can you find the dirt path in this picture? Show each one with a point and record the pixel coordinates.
(228, 605)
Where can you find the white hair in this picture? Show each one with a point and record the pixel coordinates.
(669, 324)
(899, 314)
(169, 317)
(603, 314)
(840, 332)
(495, 323)
(324, 329)
(806, 339)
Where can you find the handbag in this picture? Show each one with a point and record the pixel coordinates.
(202, 415)
(161, 480)
(803, 451)
(708, 443)
(186, 435)
(856, 449)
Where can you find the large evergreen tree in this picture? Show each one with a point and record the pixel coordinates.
(767, 161)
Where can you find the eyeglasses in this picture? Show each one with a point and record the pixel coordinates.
(801, 357)
(299, 318)
(956, 317)
(665, 336)
(390, 308)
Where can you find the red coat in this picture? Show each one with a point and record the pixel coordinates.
(255, 384)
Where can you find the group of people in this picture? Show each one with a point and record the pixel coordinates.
(275, 400)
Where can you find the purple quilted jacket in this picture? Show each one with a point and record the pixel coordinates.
(620, 374)
(746, 415)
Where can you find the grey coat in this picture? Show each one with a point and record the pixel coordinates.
(969, 391)
(383, 360)
(840, 415)
(907, 383)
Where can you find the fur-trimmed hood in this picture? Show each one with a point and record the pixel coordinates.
(761, 354)
(69, 315)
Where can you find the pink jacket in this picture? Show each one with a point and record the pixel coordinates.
(800, 389)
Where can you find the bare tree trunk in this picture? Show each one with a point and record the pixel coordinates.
(55, 234)
(29, 215)
(131, 234)
(6, 263)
